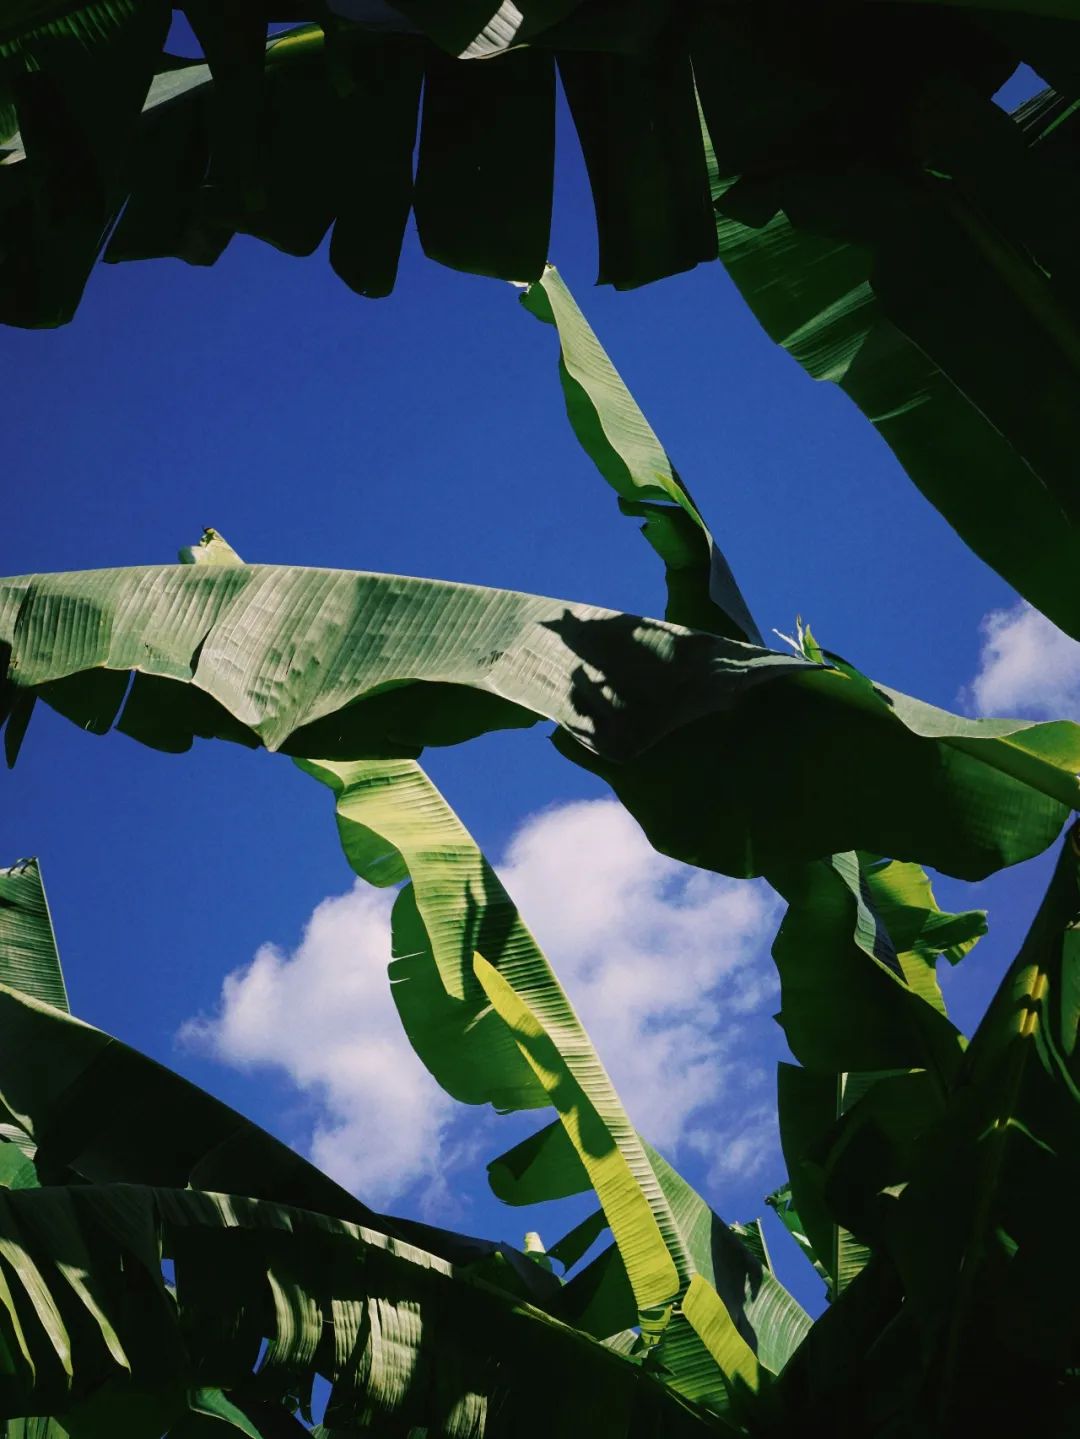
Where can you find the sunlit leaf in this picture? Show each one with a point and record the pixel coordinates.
(784, 760)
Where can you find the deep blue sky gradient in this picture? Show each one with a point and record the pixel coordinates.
(423, 434)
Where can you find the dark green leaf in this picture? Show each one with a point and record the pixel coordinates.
(483, 190)
(874, 251)
(28, 956)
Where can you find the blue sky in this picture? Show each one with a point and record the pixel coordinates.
(425, 434)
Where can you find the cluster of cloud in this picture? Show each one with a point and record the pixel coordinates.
(1027, 666)
(667, 966)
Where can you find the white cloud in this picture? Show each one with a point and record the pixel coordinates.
(1027, 666)
(666, 965)
(324, 1015)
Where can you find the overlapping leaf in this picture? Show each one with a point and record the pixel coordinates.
(489, 1018)
(857, 955)
(875, 264)
(861, 1005)
(777, 759)
(98, 1113)
(971, 1234)
(972, 1275)
(402, 1337)
(546, 1167)
(852, 990)
(285, 141)
(390, 813)
(84, 1104)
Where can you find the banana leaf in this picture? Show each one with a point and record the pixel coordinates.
(780, 1201)
(84, 1106)
(76, 81)
(971, 1276)
(985, 1270)
(613, 432)
(392, 820)
(857, 1007)
(91, 1110)
(546, 1167)
(286, 139)
(857, 952)
(862, 1009)
(455, 923)
(402, 1337)
(783, 759)
(876, 267)
(27, 944)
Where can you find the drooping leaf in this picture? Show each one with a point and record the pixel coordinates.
(397, 1310)
(546, 1167)
(325, 134)
(78, 81)
(763, 1310)
(378, 92)
(553, 1041)
(853, 994)
(857, 951)
(392, 821)
(93, 1107)
(784, 760)
(617, 437)
(875, 264)
(483, 191)
(920, 931)
(652, 214)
